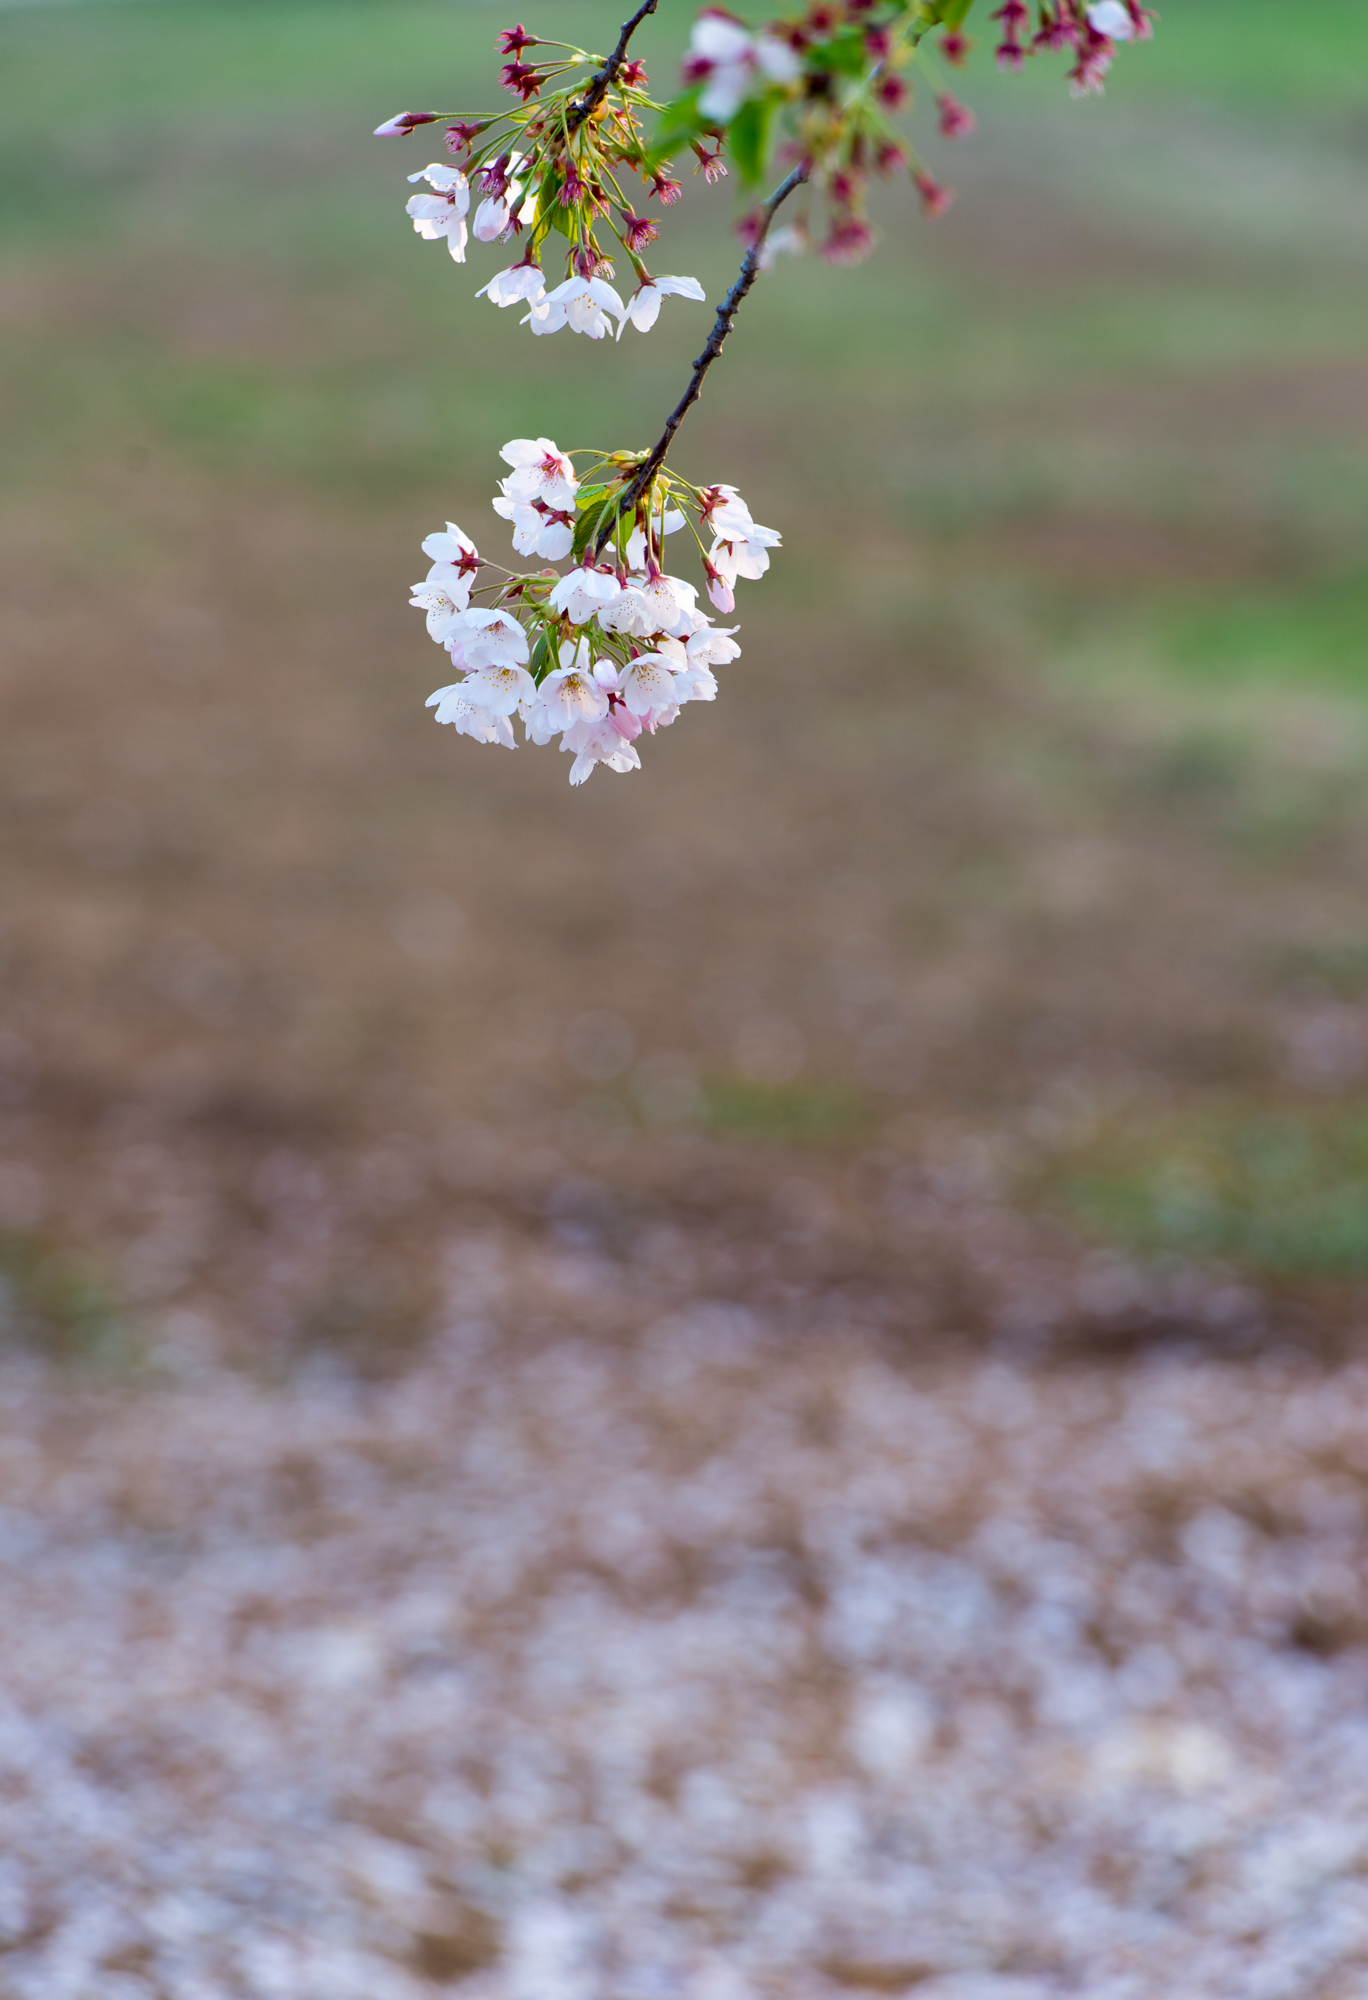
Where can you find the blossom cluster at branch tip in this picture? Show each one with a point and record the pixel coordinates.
(609, 650)
(1086, 29)
(822, 86)
(550, 174)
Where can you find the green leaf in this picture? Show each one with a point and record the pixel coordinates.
(680, 123)
(592, 516)
(950, 13)
(748, 137)
(845, 53)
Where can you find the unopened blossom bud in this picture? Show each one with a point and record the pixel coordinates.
(822, 22)
(1111, 18)
(719, 590)
(890, 158)
(935, 199)
(513, 41)
(955, 48)
(956, 119)
(878, 42)
(892, 92)
(404, 121)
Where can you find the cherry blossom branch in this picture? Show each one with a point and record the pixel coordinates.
(601, 81)
(722, 326)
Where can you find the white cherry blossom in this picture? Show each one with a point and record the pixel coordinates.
(570, 694)
(647, 683)
(604, 742)
(1111, 18)
(747, 557)
(696, 682)
(493, 639)
(672, 601)
(444, 594)
(541, 471)
(443, 213)
(469, 718)
(635, 550)
(537, 529)
(791, 241)
(629, 612)
(643, 308)
(713, 647)
(728, 516)
(582, 304)
(733, 63)
(494, 215)
(455, 546)
(500, 689)
(519, 281)
(583, 594)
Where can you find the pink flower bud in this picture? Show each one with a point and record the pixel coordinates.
(719, 590)
(404, 121)
(892, 93)
(955, 48)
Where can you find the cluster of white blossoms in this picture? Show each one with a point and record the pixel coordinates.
(732, 64)
(585, 302)
(611, 648)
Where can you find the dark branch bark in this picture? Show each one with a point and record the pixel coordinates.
(601, 81)
(722, 326)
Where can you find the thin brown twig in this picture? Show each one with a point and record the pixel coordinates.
(601, 81)
(722, 326)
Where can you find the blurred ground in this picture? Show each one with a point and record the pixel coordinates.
(974, 996)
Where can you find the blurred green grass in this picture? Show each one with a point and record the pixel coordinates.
(1282, 1194)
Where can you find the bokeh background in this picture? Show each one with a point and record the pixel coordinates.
(743, 1381)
